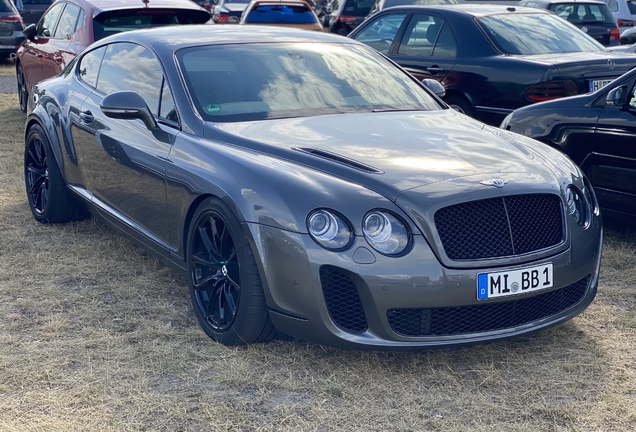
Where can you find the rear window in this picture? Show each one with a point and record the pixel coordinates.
(359, 8)
(391, 3)
(5, 6)
(280, 14)
(535, 34)
(583, 13)
(109, 23)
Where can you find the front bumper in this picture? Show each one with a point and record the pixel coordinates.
(294, 271)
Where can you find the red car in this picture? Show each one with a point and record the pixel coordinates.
(69, 26)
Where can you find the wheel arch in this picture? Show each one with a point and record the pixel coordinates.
(49, 130)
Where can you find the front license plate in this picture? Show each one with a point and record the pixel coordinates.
(502, 284)
(597, 84)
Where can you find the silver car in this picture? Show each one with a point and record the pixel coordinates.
(307, 186)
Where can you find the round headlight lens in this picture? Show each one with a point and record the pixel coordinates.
(329, 230)
(577, 206)
(385, 232)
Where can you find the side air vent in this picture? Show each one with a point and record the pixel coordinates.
(340, 159)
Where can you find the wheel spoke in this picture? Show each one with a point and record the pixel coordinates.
(229, 301)
(207, 243)
(44, 195)
(36, 182)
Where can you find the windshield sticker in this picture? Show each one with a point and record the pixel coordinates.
(212, 108)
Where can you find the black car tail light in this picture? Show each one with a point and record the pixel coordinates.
(551, 90)
(346, 19)
(625, 23)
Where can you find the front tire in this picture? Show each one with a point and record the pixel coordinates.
(23, 92)
(49, 199)
(460, 104)
(224, 282)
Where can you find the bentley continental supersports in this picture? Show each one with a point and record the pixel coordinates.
(308, 186)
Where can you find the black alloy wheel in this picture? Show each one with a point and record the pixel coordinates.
(23, 92)
(48, 196)
(225, 285)
(37, 179)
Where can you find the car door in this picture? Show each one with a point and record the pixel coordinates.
(31, 59)
(55, 52)
(427, 47)
(611, 164)
(122, 162)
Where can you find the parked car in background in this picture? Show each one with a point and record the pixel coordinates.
(284, 13)
(33, 10)
(10, 28)
(598, 131)
(229, 11)
(493, 59)
(366, 214)
(379, 5)
(342, 16)
(624, 12)
(592, 17)
(71, 25)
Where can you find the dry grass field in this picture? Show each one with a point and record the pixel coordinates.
(96, 335)
(7, 67)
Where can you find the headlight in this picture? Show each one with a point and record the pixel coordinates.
(505, 124)
(385, 232)
(578, 207)
(591, 196)
(329, 230)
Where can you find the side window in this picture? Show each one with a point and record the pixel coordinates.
(131, 67)
(80, 21)
(445, 46)
(166, 105)
(66, 26)
(88, 68)
(46, 26)
(632, 98)
(420, 36)
(381, 32)
(613, 5)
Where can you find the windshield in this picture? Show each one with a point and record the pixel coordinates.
(535, 34)
(280, 14)
(264, 81)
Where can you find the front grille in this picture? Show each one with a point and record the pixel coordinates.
(486, 317)
(343, 301)
(499, 227)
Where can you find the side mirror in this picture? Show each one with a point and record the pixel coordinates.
(29, 31)
(614, 96)
(435, 87)
(127, 105)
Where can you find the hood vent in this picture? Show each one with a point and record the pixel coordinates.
(340, 159)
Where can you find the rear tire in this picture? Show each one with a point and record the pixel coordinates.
(224, 282)
(49, 198)
(460, 104)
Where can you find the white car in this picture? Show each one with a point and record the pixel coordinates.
(624, 12)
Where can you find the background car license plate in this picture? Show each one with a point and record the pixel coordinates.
(501, 284)
(597, 84)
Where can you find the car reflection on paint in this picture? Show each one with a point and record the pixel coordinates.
(300, 196)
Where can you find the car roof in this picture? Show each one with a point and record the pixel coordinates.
(165, 40)
(472, 9)
(568, 1)
(98, 6)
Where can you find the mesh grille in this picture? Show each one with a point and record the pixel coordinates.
(343, 301)
(499, 227)
(486, 317)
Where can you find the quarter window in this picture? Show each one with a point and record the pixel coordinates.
(47, 24)
(381, 32)
(131, 67)
(66, 26)
(89, 66)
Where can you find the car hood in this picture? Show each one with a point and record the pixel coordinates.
(388, 152)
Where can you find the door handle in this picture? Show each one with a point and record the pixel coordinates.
(86, 116)
(435, 69)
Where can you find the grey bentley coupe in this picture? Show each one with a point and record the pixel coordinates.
(309, 187)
